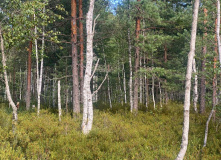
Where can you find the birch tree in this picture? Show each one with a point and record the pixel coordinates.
(87, 95)
(186, 106)
(11, 102)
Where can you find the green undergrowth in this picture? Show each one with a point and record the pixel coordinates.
(116, 135)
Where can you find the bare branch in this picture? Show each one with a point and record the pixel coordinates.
(101, 84)
(95, 23)
(95, 68)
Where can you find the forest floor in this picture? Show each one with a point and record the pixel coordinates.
(116, 135)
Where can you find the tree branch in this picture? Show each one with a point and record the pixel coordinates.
(95, 68)
(95, 23)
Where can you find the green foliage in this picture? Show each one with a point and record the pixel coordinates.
(116, 134)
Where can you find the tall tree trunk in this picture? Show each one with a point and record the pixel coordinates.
(28, 91)
(81, 32)
(218, 30)
(39, 75)
(136, 67)
(87, 104)
(146, 81)
(203, 66)
(165, 81)
(75, 95)
(15, 115)
(195, 88)
(186, 106)
(130, 64)
(214, 67)
(59, 100)
(141, 86)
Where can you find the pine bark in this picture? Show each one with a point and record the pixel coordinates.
(136, 66)
(81, 32)
(28, 91)
(203, 66)
(87, 103)
(186, 107)
(75, 87)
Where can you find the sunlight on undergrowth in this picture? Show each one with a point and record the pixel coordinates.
(117, 134)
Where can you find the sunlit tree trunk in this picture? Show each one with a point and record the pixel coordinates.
(39, 75)
(15, 115)
(87, 102)
(125, 89)
(195, 88)
(59, 100)
(186, 106)
(75, 87)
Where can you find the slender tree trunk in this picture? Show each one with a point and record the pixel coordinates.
(130, 64)
(218, 30)
(136, 67)
(15, 115)
(154, 103)
(203, 66)
(160, 96)
(141, 86)
(125, 89)
(146, 85)
(20, 89)
(81, 32)
(75, 96)
(109, 94)
(214, 67)
(186, 106)
(39, 75)
(28, 91)
(88, 105)
(165, 61)
(59, 100)
(195, 88)
(207, 125)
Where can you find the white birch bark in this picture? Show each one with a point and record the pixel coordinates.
(141, 86)
(186, 106)
(207, 125)
(59, 100)
(125, 89)
(218, 30)
(131, 73)
(87, 96)
(108, 89)
(7, 89)
(39, 75)
(154, 102)
(195, 88)
(160, 96)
